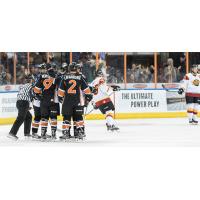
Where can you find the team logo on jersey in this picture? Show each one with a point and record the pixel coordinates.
(196, 82)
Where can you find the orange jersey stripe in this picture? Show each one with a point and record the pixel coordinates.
(61, 93)
(87, 91)
(37, 90)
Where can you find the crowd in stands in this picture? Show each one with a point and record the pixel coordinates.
(113, 69)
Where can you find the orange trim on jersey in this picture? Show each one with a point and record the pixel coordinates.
(189, 94)
(35, 125)
(61, 93)
(53, 123)
(110, 114)
(103, 101)
(37, 90)
(87, 91)
(190, 110)
(195, 112)
(80, 123)
(45, 124)
(65, 126)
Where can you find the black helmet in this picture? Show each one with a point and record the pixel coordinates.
(194, 66)
(99, 72)
(63, 68)
(42, 66)
(73, 67)
(48, 66)
(50, 70)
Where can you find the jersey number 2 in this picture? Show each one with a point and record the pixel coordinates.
(71, 89)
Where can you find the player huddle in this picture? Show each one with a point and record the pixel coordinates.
(66, 88)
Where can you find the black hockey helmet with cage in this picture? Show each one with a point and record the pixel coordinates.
(50, 70)
(73, 67)
(194, 66)
(99, 73)
(64, 68)
(48, 66)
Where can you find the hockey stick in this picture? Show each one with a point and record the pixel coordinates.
(168, 90)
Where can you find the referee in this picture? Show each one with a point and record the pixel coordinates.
(24, 97)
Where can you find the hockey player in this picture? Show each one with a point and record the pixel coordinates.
(191, 86)
(102, 101)
(61, 72)
(45, 91)
(36, 103)
(71, 97)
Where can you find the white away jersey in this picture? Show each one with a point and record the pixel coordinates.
(191, 84)
(103, 90)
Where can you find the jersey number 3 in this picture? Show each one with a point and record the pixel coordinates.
(71, 90)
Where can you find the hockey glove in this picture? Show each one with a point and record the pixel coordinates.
(115, 87)
(93, 89)
(88, 98)
(38, 97)
(180, 91)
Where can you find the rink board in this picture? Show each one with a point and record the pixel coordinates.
(129, 104)
(4, 121)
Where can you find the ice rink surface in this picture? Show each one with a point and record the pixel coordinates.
(135, 133)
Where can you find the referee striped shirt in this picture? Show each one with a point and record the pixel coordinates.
(25, 92)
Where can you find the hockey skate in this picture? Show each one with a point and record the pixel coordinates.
(190, 122)
(44, 135)
(195, 122)
(66, 135)
(12, 136)
(112, 128)
(35, 136)
(79, 134)
(53, 135)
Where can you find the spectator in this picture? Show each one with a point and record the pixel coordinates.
(110, 71)
(10, 64)
(181, 68)
(89, 68)
(170, 72)
(5, 78)
(20, 75)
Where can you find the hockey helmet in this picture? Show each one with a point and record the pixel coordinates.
(99, 73)
(194, 68)
(73, 67)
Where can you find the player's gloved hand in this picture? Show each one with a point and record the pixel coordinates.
(38, 97)
(60, 99)
(93, 89)
(180, 91)
(88, 98)
(115, 87)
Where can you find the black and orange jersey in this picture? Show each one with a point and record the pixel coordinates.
(71, 87)
(46, 86)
